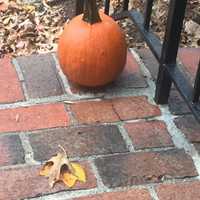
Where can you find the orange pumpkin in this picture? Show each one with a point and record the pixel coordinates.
(92, 48)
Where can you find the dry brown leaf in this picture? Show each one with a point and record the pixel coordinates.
(59, 168)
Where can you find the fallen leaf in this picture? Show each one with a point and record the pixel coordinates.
(79, 172)
(59, 168)
(191, 27)
(69, 179)
(29, 8)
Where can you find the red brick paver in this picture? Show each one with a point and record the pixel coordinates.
(78, 141)
(134, 194)
(33, 117)
(25, 182)
(123, 108)
(43, 80)
(10, 89)
(134, 108)
(179, 191)
(11, 150)
(190, 59)
(94, 112)
(149, 134)
(144, 167)
(189, 126)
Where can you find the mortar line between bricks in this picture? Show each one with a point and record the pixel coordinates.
(63, 78)
(65, 195)
(151, 89)
(72, 118)
(93, 157)
(25, 91)
(127, 139)
(32, 102)
(61, 98)
(28, 151)
(76, 125)
(100, 183)
(153, 193)
(85, 192)
(21, 78)
(17, 166)
(54, 99)
(18, 69)
(178, 137)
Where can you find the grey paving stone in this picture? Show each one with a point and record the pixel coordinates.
(79, 141)
(11, 150)
(40, 74)
(190, 127)
(144, 167)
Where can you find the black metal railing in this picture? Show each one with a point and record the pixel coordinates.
(165, 52)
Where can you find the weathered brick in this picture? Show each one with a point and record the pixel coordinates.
(177, 105)
(112, 110)
(9, 84)
(131, 77)
(134, 108)
(144, 167)
(21, 183)
(189, 126)
(134, 194)
(41, 76)
(94, 111)
(190, 57)
(79, 141)
(33, 117)
(11, 150)
(149, 134)
(179, 191)
(150, 62)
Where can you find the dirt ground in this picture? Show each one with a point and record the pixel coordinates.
(35, 27)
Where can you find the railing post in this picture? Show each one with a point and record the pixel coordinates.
(170, 49)
(147, 13)
(197, 86)
(125, 5)
(107, 7)
(79, 6)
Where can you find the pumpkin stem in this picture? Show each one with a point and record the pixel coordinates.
(91, 14)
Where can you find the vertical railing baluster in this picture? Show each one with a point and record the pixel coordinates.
(125, 5)
(79, 6)
(147, 13)
(197, 86)
(107, 7)
(170, 48)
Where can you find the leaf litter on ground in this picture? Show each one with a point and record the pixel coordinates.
(35, 28)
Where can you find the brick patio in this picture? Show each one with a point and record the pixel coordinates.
(131, 148)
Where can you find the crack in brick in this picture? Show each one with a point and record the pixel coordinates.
(115, 111)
